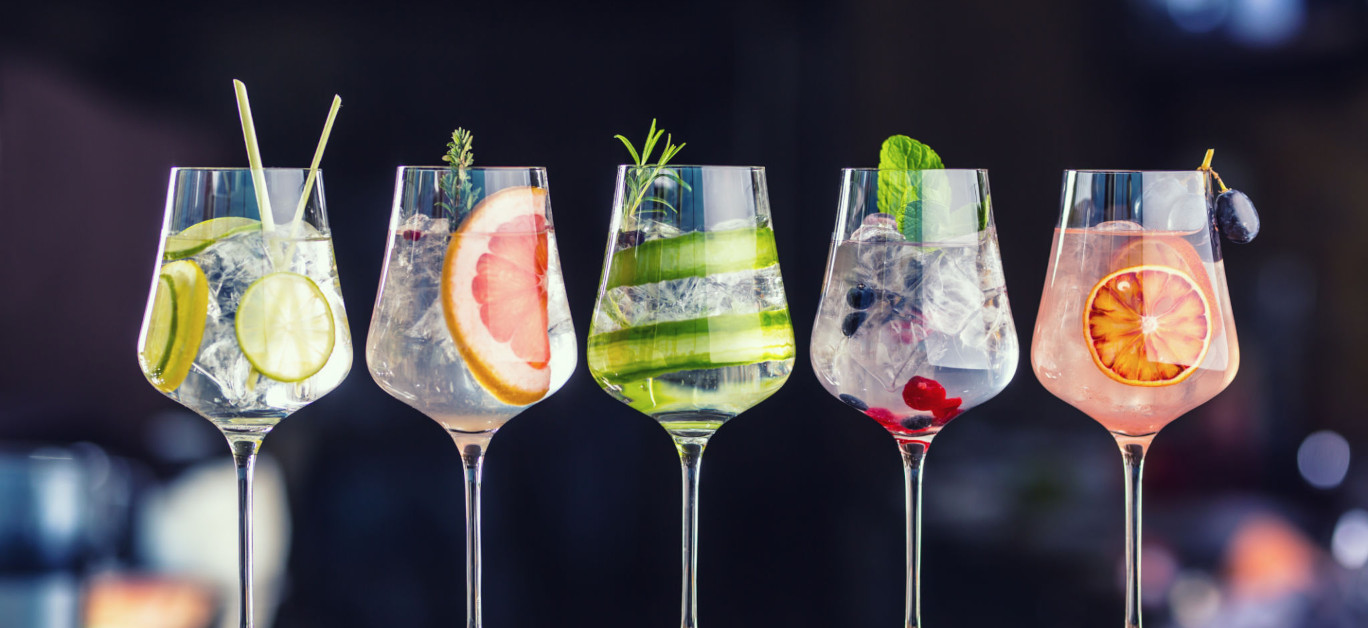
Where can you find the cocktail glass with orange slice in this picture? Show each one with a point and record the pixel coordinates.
(1135, 326)
(471, 324)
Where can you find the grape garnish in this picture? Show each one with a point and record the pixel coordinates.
(1236, 217)
(1235, 213)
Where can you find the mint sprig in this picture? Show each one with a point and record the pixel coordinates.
(902, 189)
(459, 192)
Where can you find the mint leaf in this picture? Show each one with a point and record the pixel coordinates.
(900, 160)
(901, 152)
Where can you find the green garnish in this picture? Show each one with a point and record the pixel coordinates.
(459, 191)
(643, 175)
(901, 186)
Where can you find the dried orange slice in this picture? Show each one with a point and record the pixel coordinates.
(1166, 250)
(1148, 325)
(494, 294)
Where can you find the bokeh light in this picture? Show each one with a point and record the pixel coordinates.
(1349, 543)
(1195, 599)
(1323, 459)
(1198, 16)
(1267, 23)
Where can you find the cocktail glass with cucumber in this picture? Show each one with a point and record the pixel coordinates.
(244, 322)
(691, 326)
(914, 327)
(471, 325)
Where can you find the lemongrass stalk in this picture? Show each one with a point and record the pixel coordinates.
(317, 158)
(254, 157)
(313, 174)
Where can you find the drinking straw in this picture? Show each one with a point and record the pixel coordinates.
(254, 157)
(317, 158)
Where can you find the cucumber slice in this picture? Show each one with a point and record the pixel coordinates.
(701, 343)
(695, 254)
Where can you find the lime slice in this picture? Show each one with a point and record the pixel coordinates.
(176, 324)
(199, 236)
(695, 254)
(702, 343)
(285, 327)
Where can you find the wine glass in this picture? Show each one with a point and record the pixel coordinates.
(914, 327)
(691, 326)
(471, 325)
(244, 322)
(1135, 326)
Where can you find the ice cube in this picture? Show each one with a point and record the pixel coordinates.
(656, 230)
(877, 228)
(884, 348)
(1119, 225)
(950, 293)
(736, 223)
(231, 265)
(1176, 203)
(742, 292)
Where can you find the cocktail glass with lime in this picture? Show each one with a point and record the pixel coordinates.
(244, 322)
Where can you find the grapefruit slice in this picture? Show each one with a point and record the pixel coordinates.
(494, 294)
(1148, 325)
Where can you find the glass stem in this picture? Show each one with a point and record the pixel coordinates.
(472, 456)
(1133, 458)
(690, 459)
(244, 458)
(913, 453)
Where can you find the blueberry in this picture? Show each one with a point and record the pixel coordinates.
(916, 423)
(628, 239)
(1236, 216)
(852, 322)
(860, 297)
(854, 402)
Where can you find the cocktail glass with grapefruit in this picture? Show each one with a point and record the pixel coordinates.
(471, 324)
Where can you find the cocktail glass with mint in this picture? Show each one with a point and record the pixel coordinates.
(914, 327)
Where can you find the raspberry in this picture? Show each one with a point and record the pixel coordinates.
(921, 393)
(413, 235)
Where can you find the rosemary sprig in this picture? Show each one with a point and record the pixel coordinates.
(643, 175)
(456, 184)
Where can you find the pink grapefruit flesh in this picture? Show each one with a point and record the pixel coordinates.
(494, 294)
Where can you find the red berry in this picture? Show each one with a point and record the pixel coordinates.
(943, 414)
(413, 235)
(884, 416)
(921, 393)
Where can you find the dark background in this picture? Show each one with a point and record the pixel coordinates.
(801, 512)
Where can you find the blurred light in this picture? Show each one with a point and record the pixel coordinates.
(1198, 16)
(1267, 23)
(1350, 541)
(57, 482)
(1323, 459)
(1161, 567)
(1195, 599)
(1268, 557)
